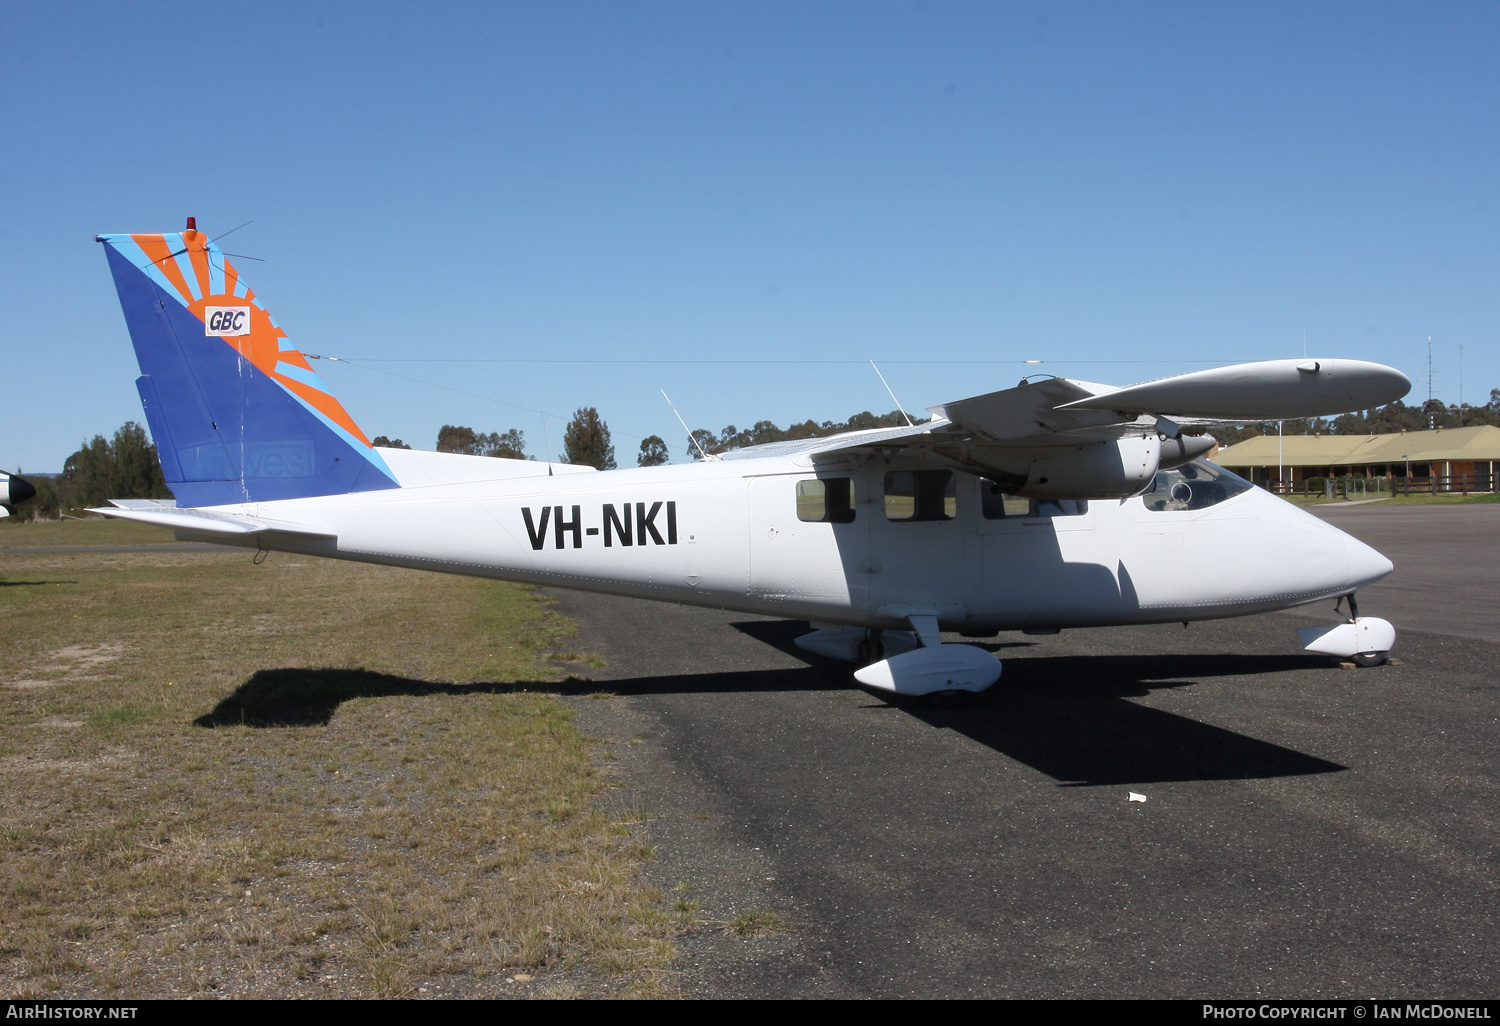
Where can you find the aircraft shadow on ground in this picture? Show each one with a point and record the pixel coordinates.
(1068, 717)
(31, 584)
(1065, 716)
(305, 697)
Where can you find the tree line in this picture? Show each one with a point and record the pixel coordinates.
(122, 467)
(125, 466)
(765, 431)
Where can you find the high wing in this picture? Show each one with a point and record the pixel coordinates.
(1061, 438)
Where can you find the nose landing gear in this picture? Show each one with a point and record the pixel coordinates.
(1363, 640)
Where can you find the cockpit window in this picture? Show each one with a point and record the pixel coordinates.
(1195, 485)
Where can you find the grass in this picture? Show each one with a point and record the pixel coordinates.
(755, 924)
(21, 534)
(1399, 500)
(305, 778)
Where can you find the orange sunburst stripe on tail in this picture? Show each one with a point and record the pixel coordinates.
(231, 278)
(156, 249)
(324, 403)
(295, 358)
(198, 253)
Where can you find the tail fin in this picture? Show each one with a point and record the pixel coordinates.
(236, 413)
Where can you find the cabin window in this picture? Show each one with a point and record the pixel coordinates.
(920, 495)
(1060, 508)
(1195, 485)
(998, 505)
(826, 500)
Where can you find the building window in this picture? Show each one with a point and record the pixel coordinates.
(920, 495)
(826, 500)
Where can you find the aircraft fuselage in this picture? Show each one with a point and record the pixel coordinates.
(729, 534)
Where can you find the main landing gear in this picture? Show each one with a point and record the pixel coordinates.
(914, 662)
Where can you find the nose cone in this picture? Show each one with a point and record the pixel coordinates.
(1366, 566)
(17, 489)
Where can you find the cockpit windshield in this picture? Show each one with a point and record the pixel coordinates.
(1195, 485)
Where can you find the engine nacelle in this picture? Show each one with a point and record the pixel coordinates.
(14, 490)
(1101, 470)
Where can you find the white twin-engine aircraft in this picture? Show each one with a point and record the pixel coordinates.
(1050, 505)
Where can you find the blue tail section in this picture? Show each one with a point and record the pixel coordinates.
(237, 415)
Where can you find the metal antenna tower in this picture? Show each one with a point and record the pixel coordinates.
(1431, 417)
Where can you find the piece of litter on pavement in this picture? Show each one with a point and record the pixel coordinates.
(1136, 797)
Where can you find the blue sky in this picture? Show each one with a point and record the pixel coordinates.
(1120, 190)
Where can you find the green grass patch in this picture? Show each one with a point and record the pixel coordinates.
(1442, 500)
(1397, 500)
(120, 716)
(16, 533)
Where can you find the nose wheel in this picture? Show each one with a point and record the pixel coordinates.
(1362, 640)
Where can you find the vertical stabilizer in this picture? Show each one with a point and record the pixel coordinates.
(236, 413)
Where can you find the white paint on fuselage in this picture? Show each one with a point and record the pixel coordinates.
(740, 545)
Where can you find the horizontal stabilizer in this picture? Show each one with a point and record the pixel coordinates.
(207, 522)
(1271, 390)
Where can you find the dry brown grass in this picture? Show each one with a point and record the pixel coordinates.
(303, 778)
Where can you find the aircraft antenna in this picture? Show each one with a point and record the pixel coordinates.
(231, 231)
(1431, 416)
(691, 437)
(893, 395)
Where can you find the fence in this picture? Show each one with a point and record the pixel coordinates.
(1351, 487)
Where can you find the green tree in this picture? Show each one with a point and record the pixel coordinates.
(765, 431)
(467, 441)
(509, 446)
(137, 472)
(123, 468)
(704, 438)
(453, 438)
(586, 441)
(653, 452)
(388, 443)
